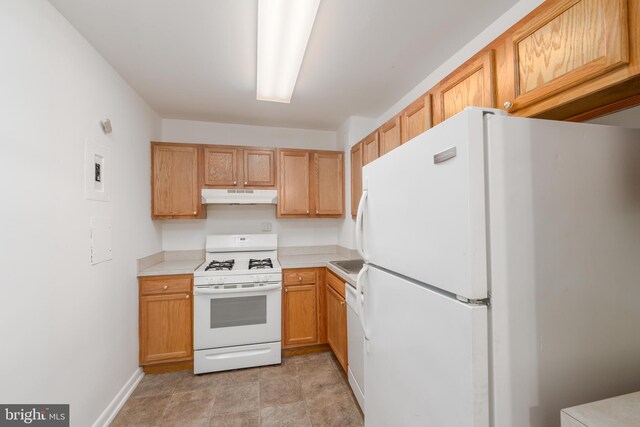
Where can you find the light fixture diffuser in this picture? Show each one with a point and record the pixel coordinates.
(284, 27)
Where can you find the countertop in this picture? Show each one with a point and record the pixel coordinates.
(171, 267)
(186, 262)
(318, 260)
(620, 411)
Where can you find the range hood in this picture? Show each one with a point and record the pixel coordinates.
(239, 197)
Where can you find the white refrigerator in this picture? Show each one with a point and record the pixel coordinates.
(502, 275)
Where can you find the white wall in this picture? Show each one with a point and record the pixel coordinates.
(628, 118)
(181, 235)
(69, 329)
(234, 134)
(222, 219)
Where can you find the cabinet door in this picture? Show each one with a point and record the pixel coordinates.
(356, 177)
(165, 328)
(220, 166)
(259, 168)
(175, 180)
(416, 118)
(337, 325)
(293, 197)
(472, 85)
(300, 315)
(328, 173)
(390, 136)
(370, 148)
(568, 44)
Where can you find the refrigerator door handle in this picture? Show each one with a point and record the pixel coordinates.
(360, 300)
(359, 217)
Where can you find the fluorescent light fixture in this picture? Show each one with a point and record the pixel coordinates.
(284, 27)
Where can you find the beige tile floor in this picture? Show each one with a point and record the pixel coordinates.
(307, 390)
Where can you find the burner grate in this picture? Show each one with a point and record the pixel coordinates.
(260, 263)
(220, 265)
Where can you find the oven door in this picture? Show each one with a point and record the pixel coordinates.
(236, 316)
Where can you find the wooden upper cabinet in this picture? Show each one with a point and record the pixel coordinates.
(566, 45)
(328, 174)
(416, 118)
(174, 181)
(356, 177)
(389, 135)
(220, 166)
(293, 197)
(370, 148)
(472, 85)
(259, 167)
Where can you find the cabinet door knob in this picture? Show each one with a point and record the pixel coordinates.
(307, 210)
(317, 211)
(165, 287)
(195, 213)
(508, 105)
(246, 183)
(286, 289)
(300, 278)
(187, 296)
(235, 182)
(341, 302)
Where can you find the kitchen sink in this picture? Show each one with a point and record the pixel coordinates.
(352, 266)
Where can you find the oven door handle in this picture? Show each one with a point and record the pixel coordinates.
(209, 291)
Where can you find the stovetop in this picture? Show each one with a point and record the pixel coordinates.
(239, 258)
(230, 264)
(242, 263)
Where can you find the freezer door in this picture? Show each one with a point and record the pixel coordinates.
(424, 211)
(426, 361)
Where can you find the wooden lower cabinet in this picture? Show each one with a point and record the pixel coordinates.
(314, 311)
(303, 307)
(165, 320)
(337, 319)
(300, 315)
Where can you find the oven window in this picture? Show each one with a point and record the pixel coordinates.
(239, 311)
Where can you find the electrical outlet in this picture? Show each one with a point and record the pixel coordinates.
(265, 227)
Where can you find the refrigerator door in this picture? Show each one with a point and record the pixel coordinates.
(426, 362)
(424, 210)
(565, 266)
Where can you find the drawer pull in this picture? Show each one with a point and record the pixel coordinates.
(165, 287)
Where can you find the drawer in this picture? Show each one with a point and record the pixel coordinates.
(336, 283)
(300, 277)
(165, 285)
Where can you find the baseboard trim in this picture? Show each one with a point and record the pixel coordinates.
(118, 402)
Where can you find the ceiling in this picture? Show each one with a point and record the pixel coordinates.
(196, 59)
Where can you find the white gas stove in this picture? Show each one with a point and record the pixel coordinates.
(237, 303)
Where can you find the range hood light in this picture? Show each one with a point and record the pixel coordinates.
(212, 196)
(284, 27)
